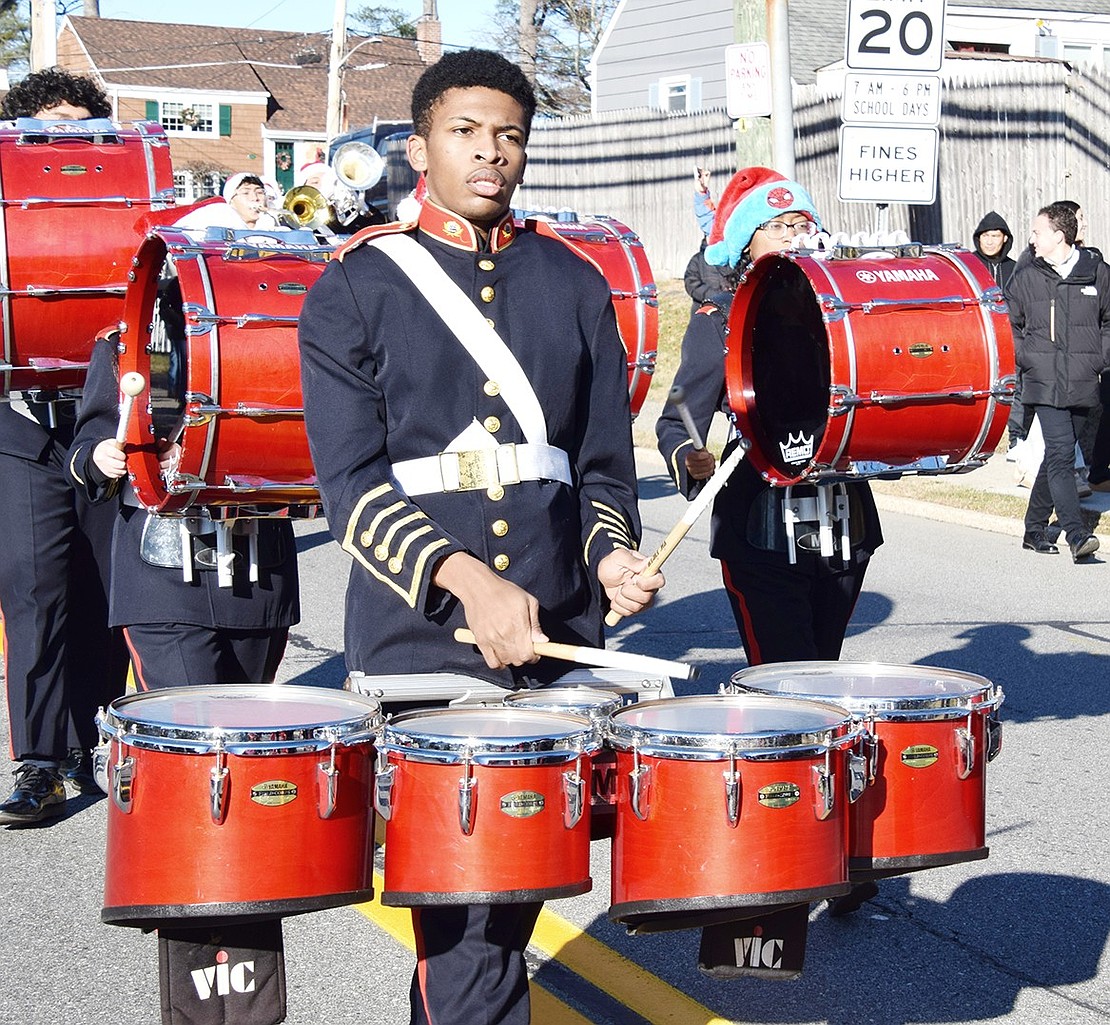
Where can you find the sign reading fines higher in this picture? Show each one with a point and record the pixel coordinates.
(888, 165)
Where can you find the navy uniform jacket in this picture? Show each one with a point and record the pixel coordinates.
(385, 381)
(701, 375)
(142, 593)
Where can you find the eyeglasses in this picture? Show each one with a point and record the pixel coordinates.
(782, 229)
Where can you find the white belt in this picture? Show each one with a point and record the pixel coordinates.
(481, 468)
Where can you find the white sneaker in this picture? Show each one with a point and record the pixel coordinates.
(1013, 454)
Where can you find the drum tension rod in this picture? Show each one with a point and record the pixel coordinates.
(328, 779)
(220, 790)
(468, 795)
(824, 783)
(574, 792)
(732, 789)
(639, 780)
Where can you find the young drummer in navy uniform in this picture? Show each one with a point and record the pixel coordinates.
(184, 624)
(784, 611)
(61, 659)
(480, 479)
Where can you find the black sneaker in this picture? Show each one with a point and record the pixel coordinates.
(38, 794)
(77, 771)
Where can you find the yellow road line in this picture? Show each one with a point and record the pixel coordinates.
(625, 981)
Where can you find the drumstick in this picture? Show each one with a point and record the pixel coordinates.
(131, 385)
(693, 511)
(677, 398)
(602, 657)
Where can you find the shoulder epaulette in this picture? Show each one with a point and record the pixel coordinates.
(363, 236)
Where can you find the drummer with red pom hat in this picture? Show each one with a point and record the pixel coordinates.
(785, 610)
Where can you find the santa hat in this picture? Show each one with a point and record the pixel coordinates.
(753, 196)
(237, 179)
(316, 167)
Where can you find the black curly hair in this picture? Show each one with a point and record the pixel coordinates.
(52, 86)
(468, 69)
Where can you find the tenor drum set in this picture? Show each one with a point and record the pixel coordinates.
(794, 783)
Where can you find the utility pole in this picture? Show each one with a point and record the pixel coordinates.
(759, 140)
(335, 70)
(44, 37)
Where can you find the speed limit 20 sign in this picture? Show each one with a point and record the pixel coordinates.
(895, 35)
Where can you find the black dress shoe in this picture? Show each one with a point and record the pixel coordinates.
(1082, 549)
(851, 901)
(1037, 543)
(38, 794)
(77, 771)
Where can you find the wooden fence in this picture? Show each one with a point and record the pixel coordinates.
(1015, 135)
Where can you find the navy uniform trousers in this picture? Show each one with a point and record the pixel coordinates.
(61, 660)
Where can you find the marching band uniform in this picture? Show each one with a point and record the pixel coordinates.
(61, 660)
(374, 352)
(784, 612)
(184, 631)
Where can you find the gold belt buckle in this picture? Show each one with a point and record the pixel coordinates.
(473, 469)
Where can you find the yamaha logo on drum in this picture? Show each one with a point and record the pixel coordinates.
(779, 795)
(920, 756)
(522, 804)
(797, 449)
(871, 277)
(274, 793)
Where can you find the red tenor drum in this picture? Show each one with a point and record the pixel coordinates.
(237, 802)
(616, 251)
(729, 801)
(230, 391)
(840, 367)
(72, 193)
(485, 805)
(595, 705)
(931, 733)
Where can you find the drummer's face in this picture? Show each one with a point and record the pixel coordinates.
(63, 111)
(797, 223)
(473, 156)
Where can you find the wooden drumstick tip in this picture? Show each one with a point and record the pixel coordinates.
(132, 384)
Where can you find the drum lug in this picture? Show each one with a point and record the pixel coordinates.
(220, 788)
(327, 786)
(994, 737)
(383, 789)
(574, 794)
(732, 792)
(639, 786)
(965, 746)
(857, 776)
(123, 782)
(824, 782)
(468, 796)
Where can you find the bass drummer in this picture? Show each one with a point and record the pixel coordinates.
(786, 610)
(62, 660)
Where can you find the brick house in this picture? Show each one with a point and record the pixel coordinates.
(242, 99)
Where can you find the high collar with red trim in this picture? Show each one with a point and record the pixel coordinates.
(457, 231)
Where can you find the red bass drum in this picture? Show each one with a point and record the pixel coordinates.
(617, 252)
(900, 361)
(237, 802)
(726, 802)
(930, 735)
(213, 327)
(72, 194)
(485, 806)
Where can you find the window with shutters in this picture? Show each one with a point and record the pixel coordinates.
(189, 117)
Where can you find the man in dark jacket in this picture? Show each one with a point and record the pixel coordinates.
(993, 241)
(1060, 311)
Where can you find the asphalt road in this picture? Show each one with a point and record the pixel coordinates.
(1020, 938)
